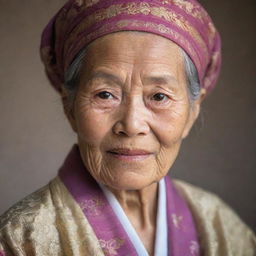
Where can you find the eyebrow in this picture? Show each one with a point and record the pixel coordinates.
(106, 76)
(161, 79)
(164, 79)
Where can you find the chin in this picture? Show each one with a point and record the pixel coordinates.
(131, 181)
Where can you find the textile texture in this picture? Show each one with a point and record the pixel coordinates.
(56, 221)
(112, 236)
(80, 22)
(50, 222)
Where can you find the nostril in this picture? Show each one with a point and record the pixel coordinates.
(122, 133)
(131, 124)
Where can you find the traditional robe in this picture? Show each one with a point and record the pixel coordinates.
(72, 216)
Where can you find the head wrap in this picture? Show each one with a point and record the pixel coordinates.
(79, 22)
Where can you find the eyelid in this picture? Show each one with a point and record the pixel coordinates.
(105, 87)
(104, 91)
(153, 94)
(167, 90)
(108, 90)
(152, 103)
(168, 93)
(166, 99)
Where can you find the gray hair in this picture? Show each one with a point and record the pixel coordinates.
(193, 83)
(72, 76)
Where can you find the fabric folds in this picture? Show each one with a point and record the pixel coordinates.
(61, 219)
(80, 22)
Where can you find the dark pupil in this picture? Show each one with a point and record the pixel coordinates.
(159, 96)
(104, 95)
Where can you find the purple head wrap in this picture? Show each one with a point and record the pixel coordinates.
(79, 22)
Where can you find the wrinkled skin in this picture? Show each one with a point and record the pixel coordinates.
(132, 94)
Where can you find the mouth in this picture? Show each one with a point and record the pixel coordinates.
(129, 154)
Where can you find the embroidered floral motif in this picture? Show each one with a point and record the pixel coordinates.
(110, 247)
(166, 1)
(92, 206)
(24, 208)
(176, 220)
(194, 248)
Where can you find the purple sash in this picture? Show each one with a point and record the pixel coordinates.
(182, 235)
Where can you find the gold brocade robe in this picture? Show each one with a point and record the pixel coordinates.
(50, 222)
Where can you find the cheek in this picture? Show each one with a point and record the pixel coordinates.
(92, 126)
(167, 156)
(168, 128)
(170, 124)
(92, 131)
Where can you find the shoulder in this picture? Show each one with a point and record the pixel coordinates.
(220, 229)
(18, 224)
(26, 209)
(197, 197)
(47, 222)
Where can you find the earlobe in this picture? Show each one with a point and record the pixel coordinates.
(202, 95)
(68, 109)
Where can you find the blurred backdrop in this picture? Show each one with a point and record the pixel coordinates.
(219, 155)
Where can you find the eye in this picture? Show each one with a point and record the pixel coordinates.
(159, 97)
(105, 95)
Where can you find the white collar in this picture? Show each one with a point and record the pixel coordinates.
(161, 245)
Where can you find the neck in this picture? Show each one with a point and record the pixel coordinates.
(140, 206)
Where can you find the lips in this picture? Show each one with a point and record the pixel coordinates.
(129, 152)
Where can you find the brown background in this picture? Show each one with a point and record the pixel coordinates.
(219, 155)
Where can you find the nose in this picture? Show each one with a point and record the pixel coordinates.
(132, 120)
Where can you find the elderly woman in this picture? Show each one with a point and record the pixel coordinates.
(132, 75)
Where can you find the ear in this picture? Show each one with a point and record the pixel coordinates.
(68, 106)
(194, 112)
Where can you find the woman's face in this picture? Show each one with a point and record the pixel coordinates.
(132, 109)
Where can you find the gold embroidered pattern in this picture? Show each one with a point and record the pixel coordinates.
(110, 247)
(133, 9)
(192, 9)
(92, 206)
(199, 13)
(210, 72)
(23, 208)
(121, 25)
(211, 32)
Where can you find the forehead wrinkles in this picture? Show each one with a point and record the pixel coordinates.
(134, 55)
(132, 45)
